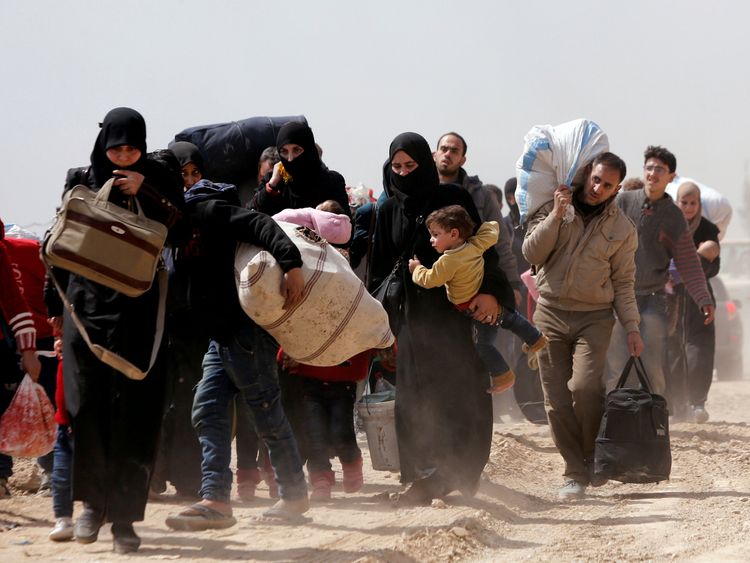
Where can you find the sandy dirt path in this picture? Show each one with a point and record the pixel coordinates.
(701, 514)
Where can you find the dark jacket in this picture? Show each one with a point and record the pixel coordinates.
(214, 209)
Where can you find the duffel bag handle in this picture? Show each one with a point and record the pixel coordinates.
(640, 371)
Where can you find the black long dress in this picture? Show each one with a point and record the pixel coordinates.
(116, 420)
(443, 412)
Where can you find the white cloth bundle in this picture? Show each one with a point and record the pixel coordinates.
(553, 155)
(336, 319)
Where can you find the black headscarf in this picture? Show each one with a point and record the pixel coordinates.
(187, 153)
(121, 126)
(305, 168)
(422, 180)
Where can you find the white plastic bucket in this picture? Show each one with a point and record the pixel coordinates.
(379, 420)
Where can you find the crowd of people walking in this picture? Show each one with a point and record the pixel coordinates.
(615, 273)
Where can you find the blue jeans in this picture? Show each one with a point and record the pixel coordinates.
(653, 327)
(328, 409)
(245, 363)
(486, 336)
(62, 492)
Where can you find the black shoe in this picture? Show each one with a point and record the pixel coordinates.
(88, 524)
(124, 538)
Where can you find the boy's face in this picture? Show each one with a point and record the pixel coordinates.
(191, 175)
(442, 240)
(656, 175)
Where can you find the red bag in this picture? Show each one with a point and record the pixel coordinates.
(27, 429)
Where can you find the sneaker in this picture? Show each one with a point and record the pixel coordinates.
(700, 414)
(63, 530)
(572, 489)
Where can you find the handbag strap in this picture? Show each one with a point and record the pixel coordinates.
(409, 249)
(640, 371)
(108, 357)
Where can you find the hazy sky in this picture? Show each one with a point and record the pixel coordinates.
(649, 72)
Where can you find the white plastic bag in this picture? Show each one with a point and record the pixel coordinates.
(715, 206)
(27, 428)
(553, 155)
(337, 317)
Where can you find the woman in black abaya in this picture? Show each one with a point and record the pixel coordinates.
(305, 182)
(443, 413)
(116, 420)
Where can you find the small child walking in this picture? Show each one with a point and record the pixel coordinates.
(460, 269)
(62, 493)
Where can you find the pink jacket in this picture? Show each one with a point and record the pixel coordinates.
(335, 228)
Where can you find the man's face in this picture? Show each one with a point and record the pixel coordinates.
(602, 184)
(449, 155)
(656, 175)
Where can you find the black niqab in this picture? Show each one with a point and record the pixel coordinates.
(121, 126)
(306, 167)
(423, 179)
(186, 153)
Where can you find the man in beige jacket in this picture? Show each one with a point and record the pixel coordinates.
(585, 272)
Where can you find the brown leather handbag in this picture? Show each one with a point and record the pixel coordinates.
(105, 242)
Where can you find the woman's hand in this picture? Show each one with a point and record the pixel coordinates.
(30, 364)
(292, 286)
(486, 308)
(272, 186)
(130, 183)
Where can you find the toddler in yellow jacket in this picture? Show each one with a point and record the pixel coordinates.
(460, 269)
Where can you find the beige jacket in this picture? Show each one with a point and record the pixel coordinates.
(585, 269)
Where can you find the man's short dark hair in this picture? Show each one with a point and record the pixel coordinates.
(463, 141)
(452, 217)
(611, 160)
(660, 153)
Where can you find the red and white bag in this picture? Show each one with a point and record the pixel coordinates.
(27, 428)
(336, 319)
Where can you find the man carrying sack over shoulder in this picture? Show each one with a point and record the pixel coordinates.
(585, 272)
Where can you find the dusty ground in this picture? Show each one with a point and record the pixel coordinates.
(701, 514)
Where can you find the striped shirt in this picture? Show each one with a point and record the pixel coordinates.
(663, 235)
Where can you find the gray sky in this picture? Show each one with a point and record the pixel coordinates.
(649, 72)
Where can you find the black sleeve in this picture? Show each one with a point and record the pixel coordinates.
(268, 203)
(246, 225)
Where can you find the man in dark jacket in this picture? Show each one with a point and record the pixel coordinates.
(241, 357)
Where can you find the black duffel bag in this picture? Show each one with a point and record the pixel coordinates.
(633, 441)
(231, 150)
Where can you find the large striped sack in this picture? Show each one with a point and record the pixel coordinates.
(336, 318)
(553, 155)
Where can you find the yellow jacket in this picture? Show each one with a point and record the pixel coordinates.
(460, 270)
